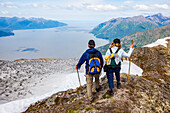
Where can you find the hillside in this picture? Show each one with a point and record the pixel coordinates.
(147, 93)
(141, 38)
(145, 37)
(120, 27)
(155, 61)
(5, 33)
(140, 95)
(15, 23)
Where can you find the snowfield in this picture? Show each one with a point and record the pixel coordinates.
(25, 82)
(159, 42)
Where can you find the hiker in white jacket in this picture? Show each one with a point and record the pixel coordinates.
(115, 63)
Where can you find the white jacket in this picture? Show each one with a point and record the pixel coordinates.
(120, 53)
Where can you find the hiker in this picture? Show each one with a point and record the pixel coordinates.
(113, 65)
(94, 64)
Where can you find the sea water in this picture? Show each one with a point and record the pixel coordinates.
(60, 42)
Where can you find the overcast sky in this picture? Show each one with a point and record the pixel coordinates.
(86, 10)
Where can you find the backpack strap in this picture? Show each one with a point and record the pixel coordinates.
(115, 52)
(110, 50)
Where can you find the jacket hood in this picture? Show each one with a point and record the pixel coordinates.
(92, 50)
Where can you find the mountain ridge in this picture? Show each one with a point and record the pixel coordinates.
(8, 24)
(141, 38)
(120, 27)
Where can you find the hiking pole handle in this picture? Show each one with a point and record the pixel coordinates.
(131, 42)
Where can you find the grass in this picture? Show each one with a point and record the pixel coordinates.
(105, 96)
(152, 79)
(88, 109)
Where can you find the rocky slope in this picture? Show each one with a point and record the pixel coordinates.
(120, 27)
(140, 95)
(155, 61)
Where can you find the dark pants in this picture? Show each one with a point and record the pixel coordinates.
(110, 77)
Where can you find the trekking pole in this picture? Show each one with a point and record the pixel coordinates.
(79, 78)
(129, 64)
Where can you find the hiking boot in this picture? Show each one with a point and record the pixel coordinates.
(98, 89)
(119, 86)
(110, 92)
(92, 100)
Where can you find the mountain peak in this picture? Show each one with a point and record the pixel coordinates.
(158, 18)
(159, 15)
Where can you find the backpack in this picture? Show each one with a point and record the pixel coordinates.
(113, 62)
(94, 64)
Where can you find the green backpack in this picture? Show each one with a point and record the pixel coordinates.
(113, 62)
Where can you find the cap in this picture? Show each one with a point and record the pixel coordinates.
(116, 40)
(91, 43)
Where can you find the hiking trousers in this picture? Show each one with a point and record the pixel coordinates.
(110, 77)
(89, 79)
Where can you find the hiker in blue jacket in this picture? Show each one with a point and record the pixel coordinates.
(118, 52)
(89, 77)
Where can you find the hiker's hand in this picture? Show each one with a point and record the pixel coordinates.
(111, 45)
(131, 46)
(76, 67)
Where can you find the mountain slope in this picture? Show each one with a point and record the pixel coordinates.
(155, 61)
(145, 37)
(16, 23)
(147, 93)
(140, 95)
(141, 38)
(120, 27)
(5, 33)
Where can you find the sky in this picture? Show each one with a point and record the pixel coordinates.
(83, 10)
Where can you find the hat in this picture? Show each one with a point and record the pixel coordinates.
(91, 43)
(116, 40)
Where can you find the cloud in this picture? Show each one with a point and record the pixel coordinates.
(43, 6)
(151, 7)
(128, 2)
(35, 5)
(141, 7)
(164, 6)
(102, 7)
(4, 12)
(7, 5)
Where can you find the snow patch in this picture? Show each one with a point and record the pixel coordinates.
(159, 42)
(134, 69)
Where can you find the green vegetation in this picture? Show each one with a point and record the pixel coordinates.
(105, 96)
(146, 37)
(141, 38)
(123, 29)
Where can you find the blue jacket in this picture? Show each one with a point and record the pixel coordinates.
(85, 57)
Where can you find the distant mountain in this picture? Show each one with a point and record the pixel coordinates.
(5, 33)
(16, 23)
(120, 27)
(141, 38)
